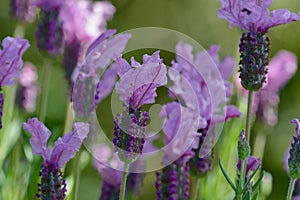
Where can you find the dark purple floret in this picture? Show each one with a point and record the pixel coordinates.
(200, 166)
(254, 55)
(52, 185)
(129, 132)
(1, 107)
(109, 192)
(135, 182)
(72, 53)
(173, 182)
(49, 34)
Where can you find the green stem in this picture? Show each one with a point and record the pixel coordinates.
(242, 180)
(44, 97)
(123, 184)
(248, 117)
(69, 119)
(291, 189)
(195, 188)
(76, 176)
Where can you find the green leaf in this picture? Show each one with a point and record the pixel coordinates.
(226, 176)
(258, 183)
(250, 178)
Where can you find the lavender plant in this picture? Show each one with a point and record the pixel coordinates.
(53, 185)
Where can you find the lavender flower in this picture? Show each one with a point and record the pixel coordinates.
(27, 89)
(255, 19)
(198, 72)
(49, 34)
(23, 10)
(111, 178)
(83, 21)
(10, 63)
(53, 185)
(281, 68)
(173, 182)
(137, 86)
(88, 90)
(252, 164)
(294, 159)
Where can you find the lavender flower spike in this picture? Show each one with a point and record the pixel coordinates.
(294, 159)
(23, 10)
(10, 63)
(255, 19)
(137, 87)
(53, 185)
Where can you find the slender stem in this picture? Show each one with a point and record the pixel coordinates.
(76, 176)
(248, 117)
(123, 184)
(195, 188)
(291, 189)
(45, 87)
(69, 119)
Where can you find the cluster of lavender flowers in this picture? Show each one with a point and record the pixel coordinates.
(200, 92)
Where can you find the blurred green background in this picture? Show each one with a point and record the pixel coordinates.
(197, 19)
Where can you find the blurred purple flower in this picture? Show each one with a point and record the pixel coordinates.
(281, 69)
(254, 15)
(173, 182)
(201, 87)
(83, 21)
(252, 164)
(53, 185)
(23, 10)
(27, 89)
(137, 85)
(10, 62)
(49, 34)
(88, 90)
(106, 163)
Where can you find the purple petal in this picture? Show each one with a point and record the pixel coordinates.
(104, 49)
(232, 111)
(66, 147)
(122, 66)
(280, 70)
(49, 4)
(39, 136)
(252, 164)
(253, 15)
(106, 83)
(297, 128)
(11, 59)
(138, 85)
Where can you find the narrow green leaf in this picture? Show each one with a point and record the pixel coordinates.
(226, 176)
(250, 178)
(258, 182)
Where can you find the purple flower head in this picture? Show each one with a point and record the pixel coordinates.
(64, 148)
(252, 164)
(11, 59)
(84, 20)
(27, 89)
(254, 15)
(207, 75)
(87, 87)
(280, 70)
(10, 62)
(173, 182)
(23, 10)
(137, 85)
